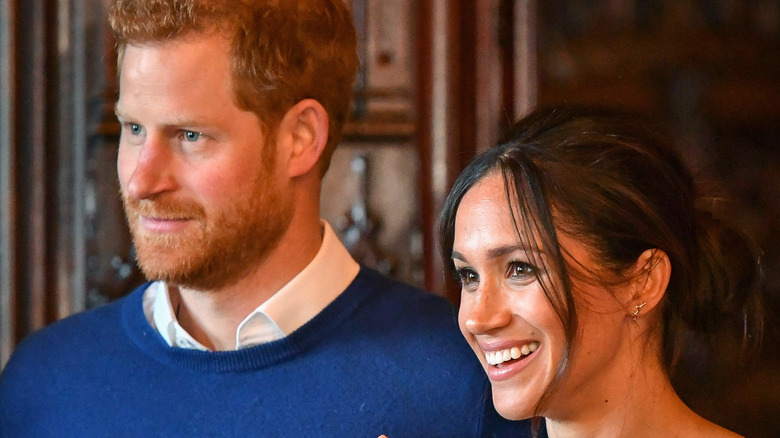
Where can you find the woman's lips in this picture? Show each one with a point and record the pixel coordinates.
(503, 363)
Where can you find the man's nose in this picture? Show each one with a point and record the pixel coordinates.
(152, 169)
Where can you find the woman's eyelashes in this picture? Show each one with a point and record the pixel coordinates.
(468, 278)
(517, 272)
(522, 272)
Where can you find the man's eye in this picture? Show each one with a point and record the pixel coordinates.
(191, 135)
(135, 129)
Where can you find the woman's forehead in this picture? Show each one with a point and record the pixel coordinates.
(487, 214)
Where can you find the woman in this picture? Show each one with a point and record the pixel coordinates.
(585, 257)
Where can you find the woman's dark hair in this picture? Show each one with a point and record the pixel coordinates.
(616, 184)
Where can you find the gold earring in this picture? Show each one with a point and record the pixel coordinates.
(637, 309)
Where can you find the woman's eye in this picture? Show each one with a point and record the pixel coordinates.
(468, 278)
(192, 135)
(521, 271)
(135, 129)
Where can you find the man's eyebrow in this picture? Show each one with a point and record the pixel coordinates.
(173, 122)
(119, 113)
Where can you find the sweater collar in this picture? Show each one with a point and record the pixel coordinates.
(301, 299)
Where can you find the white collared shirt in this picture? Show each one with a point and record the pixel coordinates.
(301, 299)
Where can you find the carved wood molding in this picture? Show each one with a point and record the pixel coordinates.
(7, 181)
(473, 78)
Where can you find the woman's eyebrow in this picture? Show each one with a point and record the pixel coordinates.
(501, 251)
(508, 249)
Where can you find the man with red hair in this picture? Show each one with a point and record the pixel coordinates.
(256, 320)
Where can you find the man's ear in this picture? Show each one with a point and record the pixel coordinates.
(302, 136)
(651, 278)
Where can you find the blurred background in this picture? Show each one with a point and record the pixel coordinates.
(439, 82)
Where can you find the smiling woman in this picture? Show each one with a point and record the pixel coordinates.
(585, 257)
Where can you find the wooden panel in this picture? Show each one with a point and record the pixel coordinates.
(712, 71)
(434, 120)
(31, 164)
(69, 255)
(474, 76)
(383, 106)
(7, 181)
(110, 268)
(524, 65)
(488, 74)
(42, 143)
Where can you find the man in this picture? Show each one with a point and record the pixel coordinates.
(257, 322)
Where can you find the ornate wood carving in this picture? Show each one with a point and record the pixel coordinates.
(383, 105)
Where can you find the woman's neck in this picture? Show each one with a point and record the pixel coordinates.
(649, 407)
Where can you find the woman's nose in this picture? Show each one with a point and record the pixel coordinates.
(486, 312)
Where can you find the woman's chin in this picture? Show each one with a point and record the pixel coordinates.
(512, 409)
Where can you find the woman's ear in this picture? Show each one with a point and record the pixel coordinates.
(651, 278)
(302, 136)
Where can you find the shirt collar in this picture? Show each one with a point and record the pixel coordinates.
(161, 315)
(301, 299)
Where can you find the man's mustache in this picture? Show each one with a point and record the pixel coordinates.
(165, 209)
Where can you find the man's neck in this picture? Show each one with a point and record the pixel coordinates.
(212, 317)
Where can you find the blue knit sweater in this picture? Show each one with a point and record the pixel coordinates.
(383, 358)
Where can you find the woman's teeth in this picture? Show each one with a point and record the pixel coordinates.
(501, 356)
